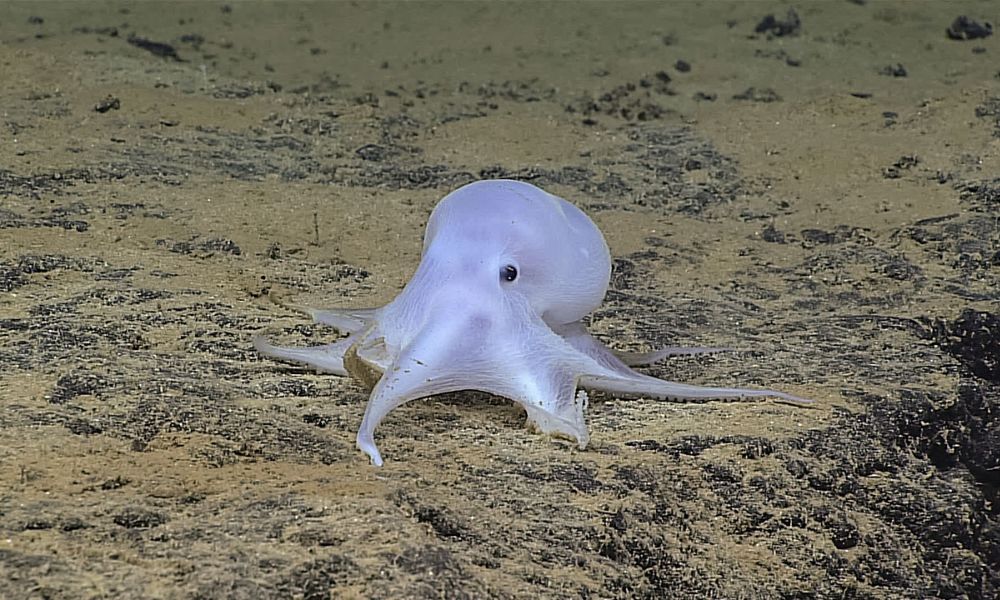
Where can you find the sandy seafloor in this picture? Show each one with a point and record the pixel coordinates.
(791, 194)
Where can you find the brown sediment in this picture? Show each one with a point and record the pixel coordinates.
(819, 191)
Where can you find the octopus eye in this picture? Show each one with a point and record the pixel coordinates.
(508, 273)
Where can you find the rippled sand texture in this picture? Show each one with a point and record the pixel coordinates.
(822, 194)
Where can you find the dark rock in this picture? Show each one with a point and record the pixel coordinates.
(155, 48)
(752, 94)
(773, 26)
(963, 28)
(109, 103)
(896, 70)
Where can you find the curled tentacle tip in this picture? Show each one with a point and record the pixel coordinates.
(794, 399)
(368, 447)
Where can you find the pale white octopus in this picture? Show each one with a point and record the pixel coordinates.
(507, 273)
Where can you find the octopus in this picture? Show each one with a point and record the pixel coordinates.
(507, 274)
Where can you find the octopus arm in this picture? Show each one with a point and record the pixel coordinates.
(576, 335)
(345, 320)
(328, 358)
(637, 384)
(528, 364)
(614, 374)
